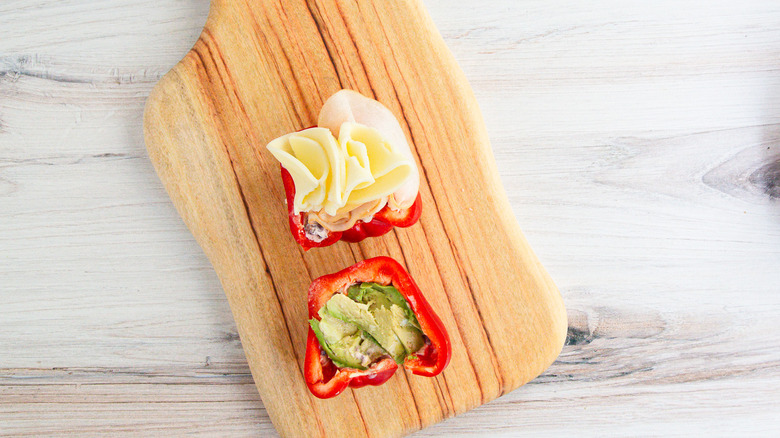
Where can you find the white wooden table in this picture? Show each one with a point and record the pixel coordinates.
(639, 145)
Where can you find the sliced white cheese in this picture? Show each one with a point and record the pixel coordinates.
(377, 169)
(353, 164)
(351, 106)
(316, 164)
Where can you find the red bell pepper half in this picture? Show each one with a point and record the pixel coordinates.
(383, 221)
(324, 378)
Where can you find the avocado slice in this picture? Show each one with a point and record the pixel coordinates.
(345, 343)
(365, 291)
(361, 315)
(396, 298)
(334, 329)
(381, 301)
(339, 361)
(390, 315)
(345, 309)
(411, 337)
(360, 350)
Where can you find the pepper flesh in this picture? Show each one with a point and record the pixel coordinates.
(382, 222)
(325, 379)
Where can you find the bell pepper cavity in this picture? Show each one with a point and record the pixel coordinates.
(370, 320)
(365, 321)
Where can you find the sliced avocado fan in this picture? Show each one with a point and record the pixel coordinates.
(370, 321)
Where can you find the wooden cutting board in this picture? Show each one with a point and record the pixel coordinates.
(263, 68)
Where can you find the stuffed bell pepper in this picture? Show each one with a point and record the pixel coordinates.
(350, 177)
(365, 321)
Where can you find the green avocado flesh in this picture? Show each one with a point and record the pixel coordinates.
(368, 322)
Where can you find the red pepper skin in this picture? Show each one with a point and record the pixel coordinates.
(383, 221)
(296, 220)
(324, 379)
(361, 230)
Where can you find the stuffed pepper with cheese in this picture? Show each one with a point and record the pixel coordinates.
(351, 177)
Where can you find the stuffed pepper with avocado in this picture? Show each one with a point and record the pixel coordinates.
(365, 321)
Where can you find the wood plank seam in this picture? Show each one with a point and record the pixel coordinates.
(323, 30)
(277, 68)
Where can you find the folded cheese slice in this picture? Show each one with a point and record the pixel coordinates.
(351, 106)
(352, 165)
(316, 164)
(374, 168)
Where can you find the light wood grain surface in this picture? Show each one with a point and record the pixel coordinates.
(639, 145)
(264, 69)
